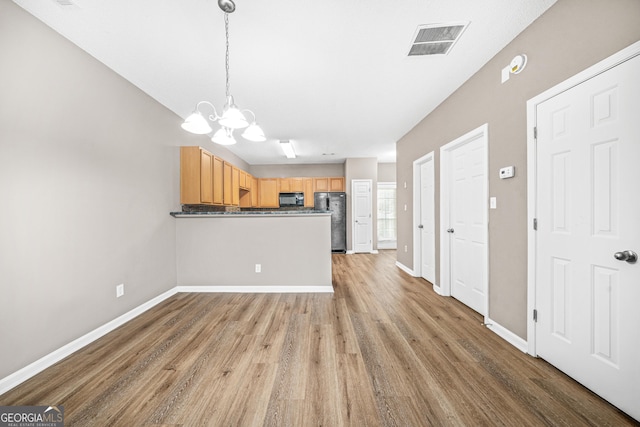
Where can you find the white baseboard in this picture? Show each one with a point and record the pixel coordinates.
(257, 289)
(507, 335)
(438, 290)
(50, 359)
(350, 252)
(374, 252)
(405, 269)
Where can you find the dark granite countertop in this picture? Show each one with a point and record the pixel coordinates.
(261, 213)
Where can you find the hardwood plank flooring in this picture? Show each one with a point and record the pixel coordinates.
(383, 350)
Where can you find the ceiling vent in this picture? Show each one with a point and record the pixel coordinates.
(436, 39)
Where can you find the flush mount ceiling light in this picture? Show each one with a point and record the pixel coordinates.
(287, 148)
(232, 117)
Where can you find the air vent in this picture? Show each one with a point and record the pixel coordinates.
(436, 39)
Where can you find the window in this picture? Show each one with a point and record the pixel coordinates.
(386, 215)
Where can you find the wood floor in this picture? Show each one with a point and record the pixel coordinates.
(384, 350)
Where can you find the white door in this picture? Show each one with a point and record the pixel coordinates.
(464, 218)
(362, 222)
(427, 225)
(588, 210)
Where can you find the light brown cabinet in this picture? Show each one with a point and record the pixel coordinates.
(284, 185)
(235, 186)
(254, 192)
(329, 184)
(336, 183)
(307, 186)
(268, 193)
(218, 181)
(196, 176)
(209, 180)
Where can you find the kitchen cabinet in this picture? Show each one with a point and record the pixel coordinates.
(254, 192)
(235, 186)
(284, 185)
(320, 184)
(268, 193)
(336, 184)
(245, 180)
(227, 172)
(218, 181)
(296, 184)
(196, 176)
(307, 188)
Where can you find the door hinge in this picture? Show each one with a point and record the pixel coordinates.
(535, 315)
(535, 223)
(535, 132)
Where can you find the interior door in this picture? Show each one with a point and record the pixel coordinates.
(427, 221)
(362, 222)
(465, 218)
(588, 209)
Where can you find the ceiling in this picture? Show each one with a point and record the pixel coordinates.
(332, 77)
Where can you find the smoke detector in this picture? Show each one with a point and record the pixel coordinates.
(436, 39)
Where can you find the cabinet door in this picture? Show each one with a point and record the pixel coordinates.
(206, 177)
(284, 185)
(227, 171)
(218, 181)
(336, 184)
(297, 184)
(254, 192)
(195, 176)
(308, 192)
(268, 195)
(235, 186)
(320, 184)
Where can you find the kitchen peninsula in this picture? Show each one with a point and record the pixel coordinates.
(254, 251)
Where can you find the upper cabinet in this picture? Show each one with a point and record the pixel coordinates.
(268, 193)
(196, 176)
(328, 184)
(209, 180)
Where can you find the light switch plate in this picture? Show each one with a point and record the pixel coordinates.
(493, 203)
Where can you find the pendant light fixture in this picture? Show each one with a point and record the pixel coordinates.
(232, 117)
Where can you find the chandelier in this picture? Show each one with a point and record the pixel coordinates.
(232, 117)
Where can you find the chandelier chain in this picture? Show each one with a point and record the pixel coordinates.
(226, 58)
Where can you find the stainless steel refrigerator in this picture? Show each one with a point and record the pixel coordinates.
(337, 204)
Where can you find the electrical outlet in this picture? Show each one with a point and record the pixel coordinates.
(406, 248)
(120, 290)
(258, 268)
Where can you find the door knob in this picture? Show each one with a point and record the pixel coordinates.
(629, 256)
(450, 230)
(421, 226)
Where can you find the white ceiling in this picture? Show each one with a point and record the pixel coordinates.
(333, 77)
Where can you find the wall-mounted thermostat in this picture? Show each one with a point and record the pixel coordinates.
(508, 172)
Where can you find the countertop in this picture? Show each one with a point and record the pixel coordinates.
(249, 214)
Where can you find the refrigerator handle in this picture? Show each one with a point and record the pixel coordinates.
(327, 199)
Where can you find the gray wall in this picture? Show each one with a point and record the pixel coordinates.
(361, 168)
(571, 36)
(386, 172)
(289, 171)
(223, 251)
(89, 171)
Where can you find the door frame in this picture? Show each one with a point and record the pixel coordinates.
(532, 104)
(353, 214)
(445, 185)
(417, 199)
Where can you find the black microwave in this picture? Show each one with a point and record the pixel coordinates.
(291, 199)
